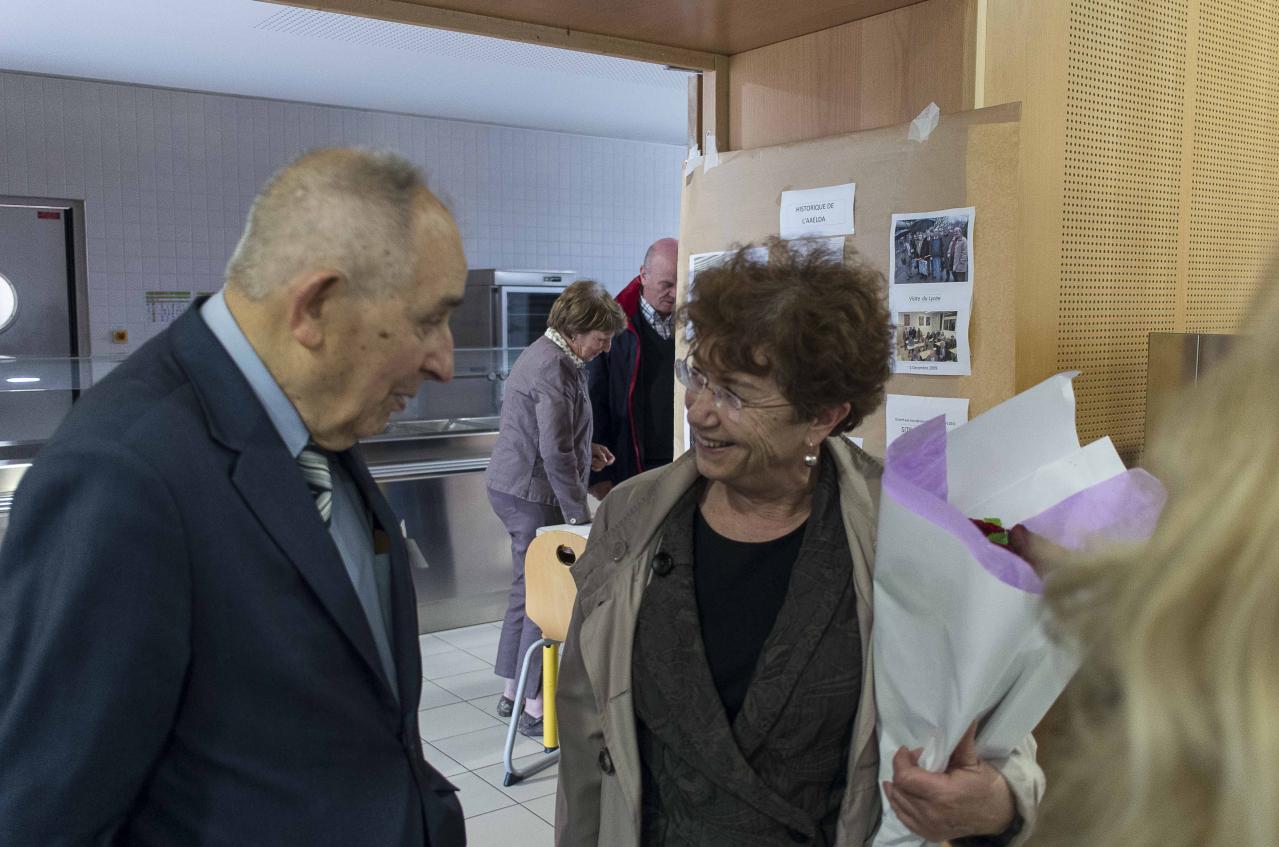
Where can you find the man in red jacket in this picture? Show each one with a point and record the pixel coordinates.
(632, 386)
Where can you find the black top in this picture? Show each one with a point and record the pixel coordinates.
(740, 587)
(654, 402)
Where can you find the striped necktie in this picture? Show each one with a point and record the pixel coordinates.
(314, 464)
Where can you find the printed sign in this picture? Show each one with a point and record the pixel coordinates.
(816, 212)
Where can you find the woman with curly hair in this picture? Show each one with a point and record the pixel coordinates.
(716, 686)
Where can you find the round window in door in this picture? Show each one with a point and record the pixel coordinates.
(8, 303)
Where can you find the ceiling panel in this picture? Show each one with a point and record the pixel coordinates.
(714, 26)
(267, 50)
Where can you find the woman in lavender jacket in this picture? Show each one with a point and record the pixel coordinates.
(538, 473)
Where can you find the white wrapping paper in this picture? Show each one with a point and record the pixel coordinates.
(959, 633)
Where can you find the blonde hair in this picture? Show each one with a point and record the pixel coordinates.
(585, 306)
(1175, 716)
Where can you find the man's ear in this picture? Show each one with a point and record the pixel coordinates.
(827, 420)
(310, 305)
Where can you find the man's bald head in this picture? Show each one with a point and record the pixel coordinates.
(358, 213)
(657, 276)
(664, 249)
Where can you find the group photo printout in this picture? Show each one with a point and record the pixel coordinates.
(930, 284)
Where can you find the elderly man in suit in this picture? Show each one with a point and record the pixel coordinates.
(210, 633)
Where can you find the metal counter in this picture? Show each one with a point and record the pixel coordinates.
(10, 475)
(1177, 361)
(432, 473)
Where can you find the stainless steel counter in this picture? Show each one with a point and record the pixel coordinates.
(10, 475)
(410, 449)
(432, 473)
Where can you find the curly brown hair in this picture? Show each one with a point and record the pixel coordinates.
(818, 326)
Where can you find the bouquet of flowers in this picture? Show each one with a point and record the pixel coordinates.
(959, 635)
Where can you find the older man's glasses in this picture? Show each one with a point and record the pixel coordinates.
(695, 382)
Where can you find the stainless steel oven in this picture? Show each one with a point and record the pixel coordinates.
(507, 308)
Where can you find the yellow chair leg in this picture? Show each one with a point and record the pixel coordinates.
(550, 672)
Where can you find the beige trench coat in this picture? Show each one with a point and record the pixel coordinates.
(599, 784)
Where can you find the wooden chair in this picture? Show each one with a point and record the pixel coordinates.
(548, 602)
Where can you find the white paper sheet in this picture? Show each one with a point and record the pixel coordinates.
(931, 271)
(911, 248)
(1051, 483)
(937, 681)
(956, 638)
(698, 262)
(996, 450)
(832, 244)
(816, 212)
(932, 331)
(904, 412)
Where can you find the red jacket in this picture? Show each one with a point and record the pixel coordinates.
(612, 377)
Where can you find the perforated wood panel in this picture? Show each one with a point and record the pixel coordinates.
(1234, 193)
(1151, 175)
(1124, 147)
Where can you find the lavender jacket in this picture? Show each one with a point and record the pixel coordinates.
(543, 450)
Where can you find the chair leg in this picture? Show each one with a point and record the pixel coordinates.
(550, 675)
(512, 775)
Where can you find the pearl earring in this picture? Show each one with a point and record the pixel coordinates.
(810, 458)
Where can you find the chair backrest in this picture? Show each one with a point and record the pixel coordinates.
(549, 585)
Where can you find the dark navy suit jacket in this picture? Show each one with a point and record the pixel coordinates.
(183, 658)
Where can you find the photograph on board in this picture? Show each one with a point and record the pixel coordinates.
(698, 262)
(927, 337)
(932, 247)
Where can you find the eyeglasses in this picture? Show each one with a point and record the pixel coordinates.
(695, 382)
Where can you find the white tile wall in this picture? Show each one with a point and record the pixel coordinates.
(167, 177)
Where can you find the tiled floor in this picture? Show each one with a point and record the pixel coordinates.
(463, 738)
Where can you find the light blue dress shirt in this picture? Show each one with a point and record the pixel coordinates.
(350, 525)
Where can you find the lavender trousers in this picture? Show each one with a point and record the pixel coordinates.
(521, 519)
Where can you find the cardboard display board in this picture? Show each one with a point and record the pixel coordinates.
(970, 159)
